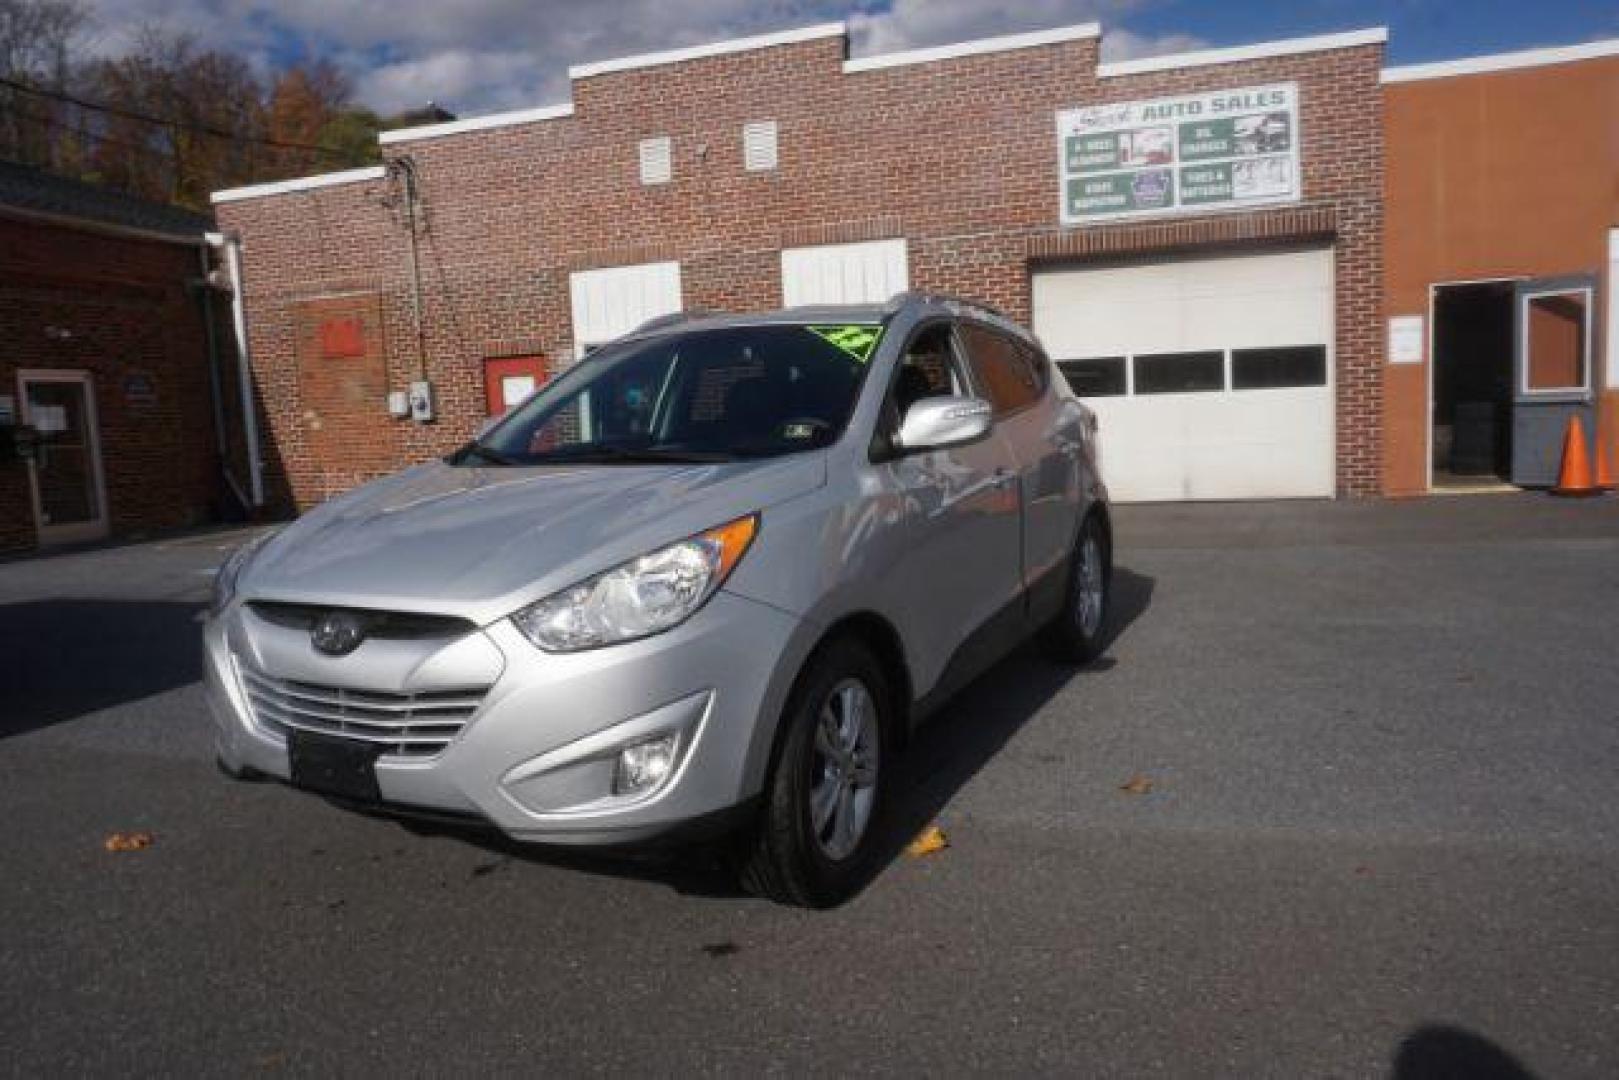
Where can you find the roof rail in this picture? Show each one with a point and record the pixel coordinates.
(674, 318)
(900, 299)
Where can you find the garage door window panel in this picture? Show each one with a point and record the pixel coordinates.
(1180, 373)
(1101, 376)
(1278, 368)
(1005, 371)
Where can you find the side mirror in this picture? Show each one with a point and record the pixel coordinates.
(939, 422)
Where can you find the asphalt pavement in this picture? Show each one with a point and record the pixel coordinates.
(1340, 800)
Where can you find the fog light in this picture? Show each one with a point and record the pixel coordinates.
(645, 765)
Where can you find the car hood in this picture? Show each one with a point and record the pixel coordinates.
(482, 542)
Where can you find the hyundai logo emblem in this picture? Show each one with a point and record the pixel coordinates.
(337, 633)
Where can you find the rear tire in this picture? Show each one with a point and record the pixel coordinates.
(816, 835)
(1078, 633)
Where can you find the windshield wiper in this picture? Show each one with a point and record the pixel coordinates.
(614, 453)
(478, 449)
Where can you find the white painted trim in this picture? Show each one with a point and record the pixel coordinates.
(303, 183)
(1478, 65)
(701, 52)
(1524, 357)
(1376, 35)
(1432, 360)
(1004, 43)
(477, 123)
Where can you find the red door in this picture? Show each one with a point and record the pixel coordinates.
(509, 380)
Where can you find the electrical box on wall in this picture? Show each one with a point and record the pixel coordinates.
(421, 401)
(398, 404)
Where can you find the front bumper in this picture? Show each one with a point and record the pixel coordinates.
(536, 757)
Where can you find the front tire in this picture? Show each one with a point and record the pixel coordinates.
(1077, 634)
(816, 836)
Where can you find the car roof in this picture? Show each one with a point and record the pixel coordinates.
(917, 303)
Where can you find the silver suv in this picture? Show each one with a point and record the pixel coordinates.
(712, 575)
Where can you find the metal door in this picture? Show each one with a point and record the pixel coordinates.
(1552, 372)
(65, 475)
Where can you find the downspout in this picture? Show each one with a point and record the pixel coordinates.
(231, 243)
(406, 168)
(216, 396)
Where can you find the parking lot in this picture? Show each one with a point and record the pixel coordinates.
(1340, 800)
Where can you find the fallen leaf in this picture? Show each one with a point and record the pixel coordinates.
(928, 841)
(134, 841)
(1136, 785)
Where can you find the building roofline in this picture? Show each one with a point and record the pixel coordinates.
(1377, 35)
(1003, 43)
(302, 183)
(717, 48)
(1509, 61)
(477, 123)
(105, 228)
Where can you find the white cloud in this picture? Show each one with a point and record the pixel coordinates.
(476, 56)
(495, 79)
(1127, 45)
(910, 24)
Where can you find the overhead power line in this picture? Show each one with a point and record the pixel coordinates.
(131, 114)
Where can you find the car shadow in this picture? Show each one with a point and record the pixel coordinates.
(1444, 1052)
(945, 754)
(63, 658)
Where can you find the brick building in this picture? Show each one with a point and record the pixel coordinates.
(106, 358)
(1198, 238)
(1503, 254)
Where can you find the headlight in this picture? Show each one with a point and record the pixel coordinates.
(225, 577)
(644, 596)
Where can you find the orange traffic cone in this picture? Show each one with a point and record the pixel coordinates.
(1575, 476)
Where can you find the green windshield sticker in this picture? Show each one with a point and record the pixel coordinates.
(858, 341)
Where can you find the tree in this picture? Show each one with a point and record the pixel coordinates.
(37, 38)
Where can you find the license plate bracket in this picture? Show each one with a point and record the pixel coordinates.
(346, 768)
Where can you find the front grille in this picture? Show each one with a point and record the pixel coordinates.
(408, 725)
(404, 625)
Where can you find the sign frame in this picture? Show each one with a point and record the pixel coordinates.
(1064, 121)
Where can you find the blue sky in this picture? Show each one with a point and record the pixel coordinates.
(1419, 30)
(477, 56)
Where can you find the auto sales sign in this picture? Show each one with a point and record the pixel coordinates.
(1191, 154)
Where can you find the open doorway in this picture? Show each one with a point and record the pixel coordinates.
(1472, 384)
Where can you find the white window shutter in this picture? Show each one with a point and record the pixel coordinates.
(759, 146)
(657, 160)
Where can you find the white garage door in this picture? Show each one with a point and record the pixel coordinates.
(611, 302)
(843, 273)
(1211, 378)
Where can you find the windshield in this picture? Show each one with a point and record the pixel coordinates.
(708, 395)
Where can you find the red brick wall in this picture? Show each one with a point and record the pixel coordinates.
(124, 305)
(958, 156)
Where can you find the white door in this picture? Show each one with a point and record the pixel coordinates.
(64, 478)
(865, 273)
(610, 302)
(1211, 378)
